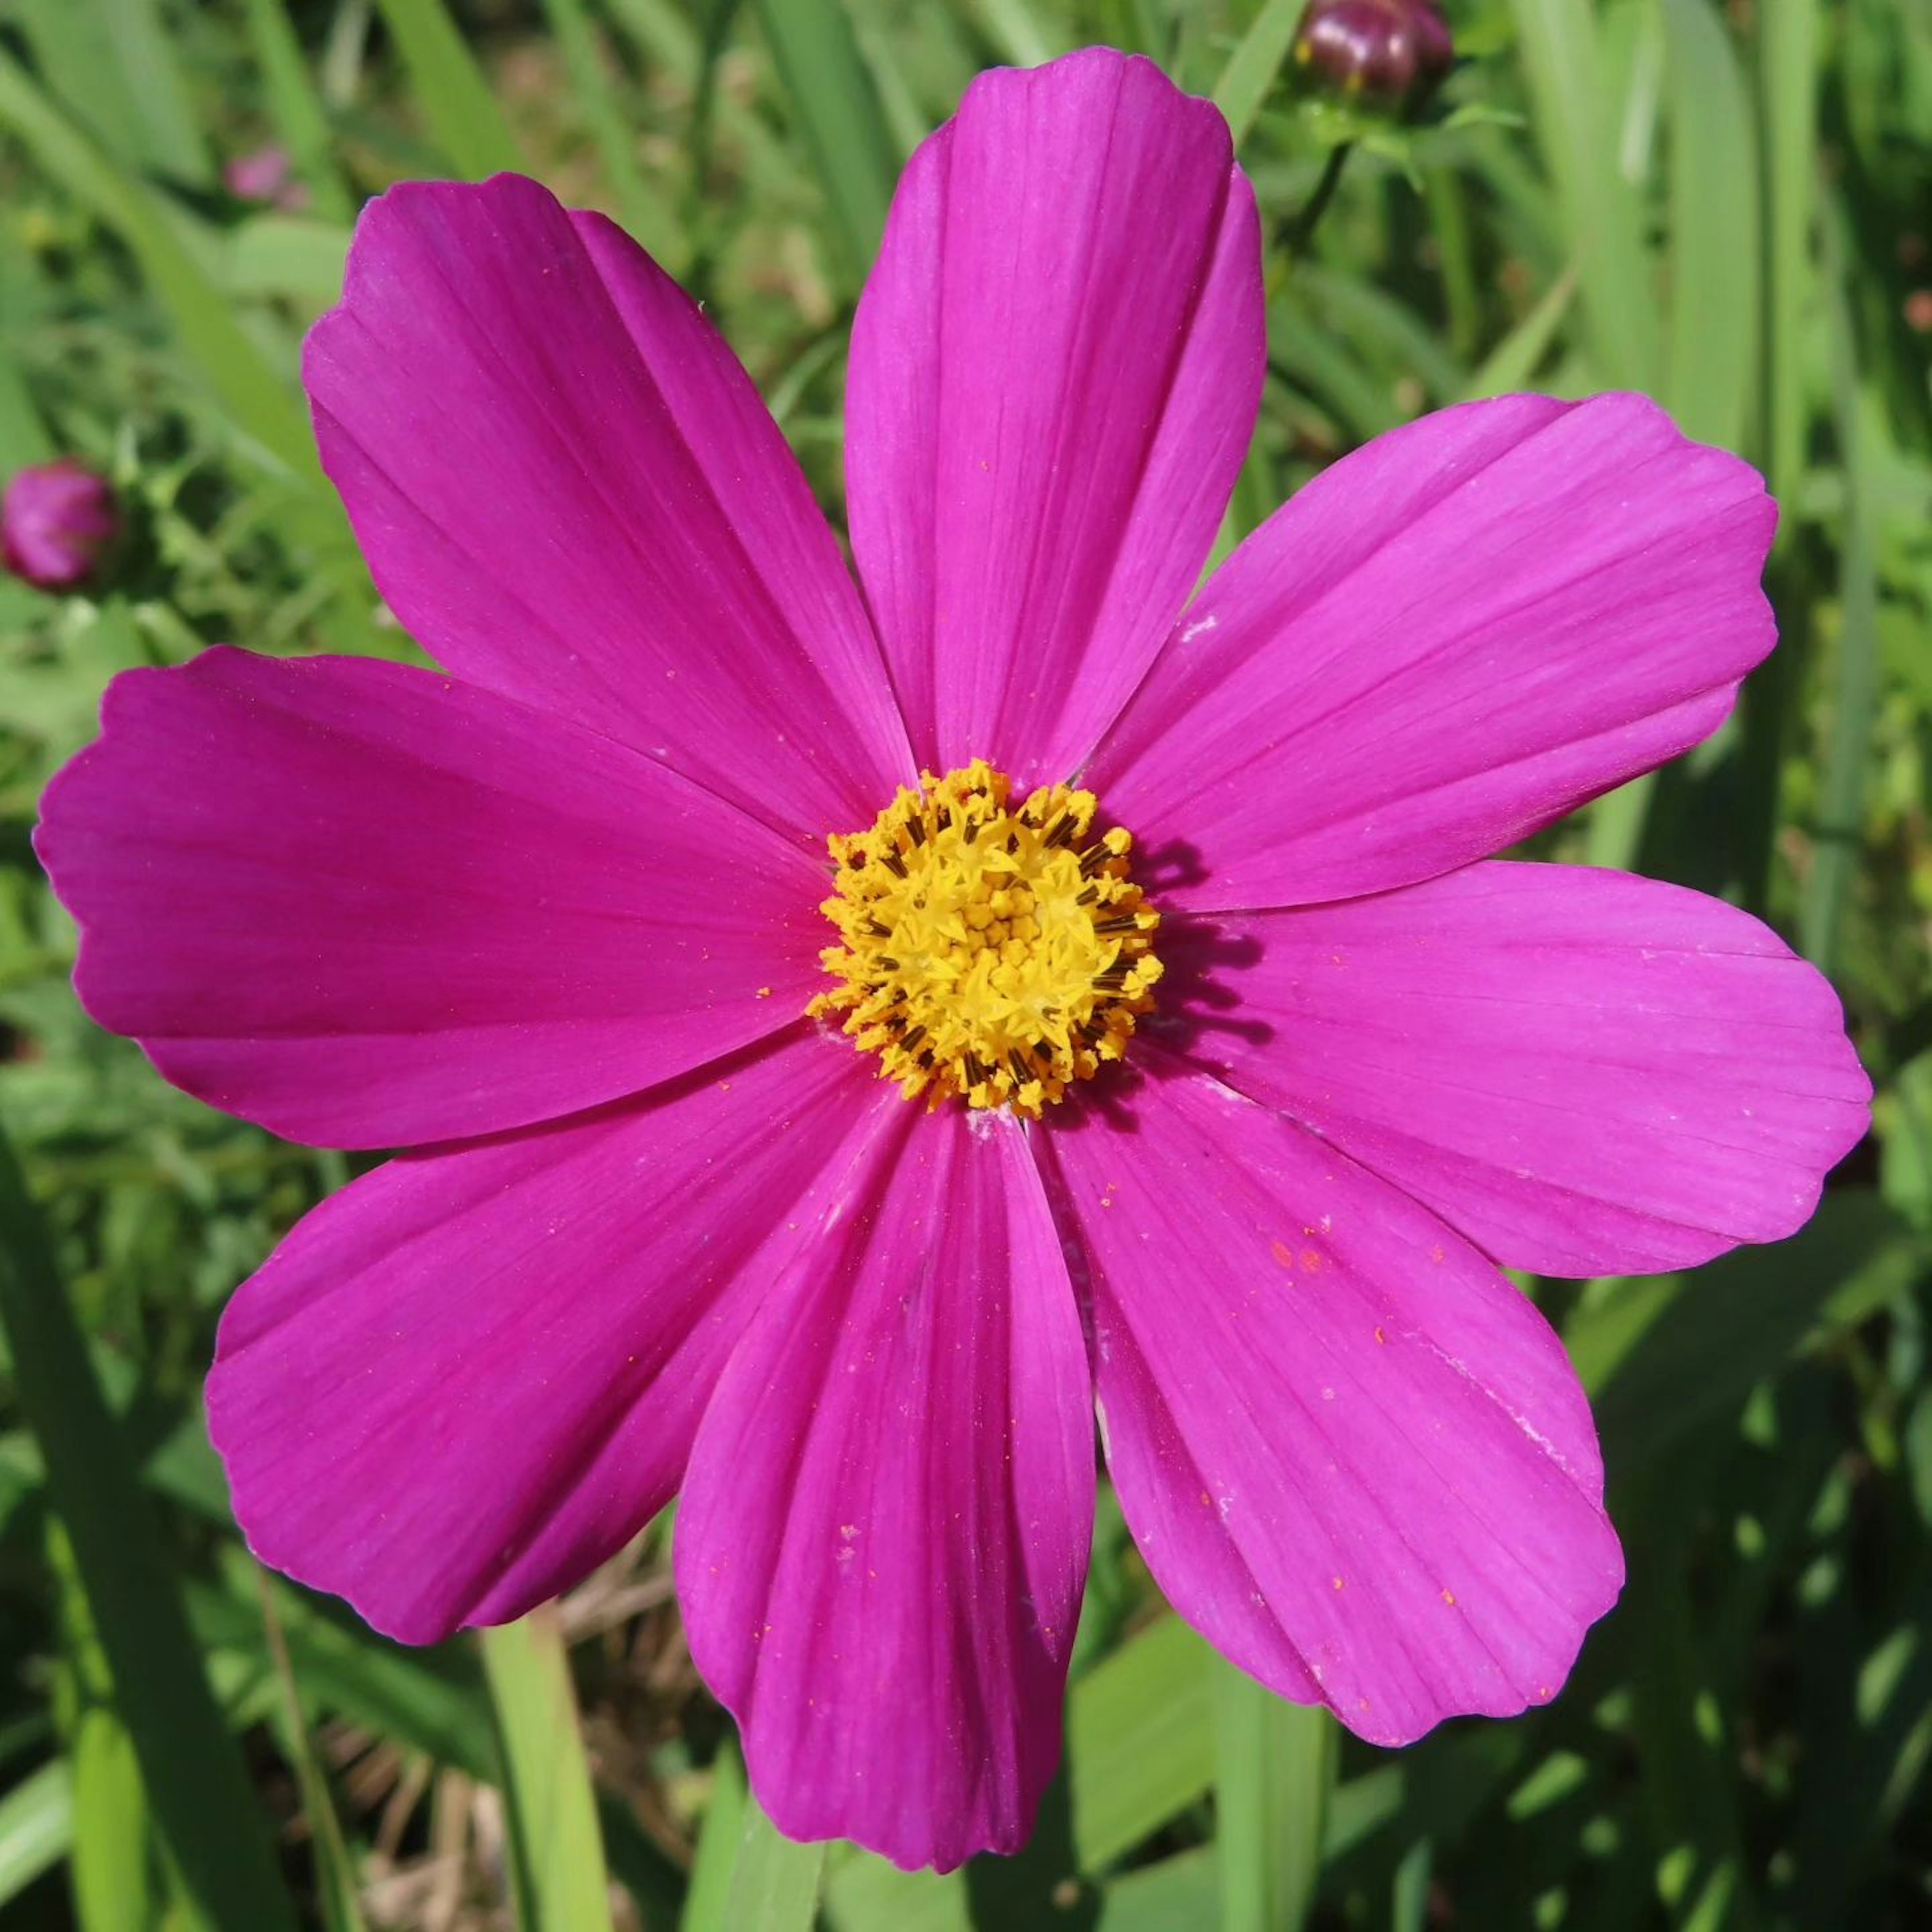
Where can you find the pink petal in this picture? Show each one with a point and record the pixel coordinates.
(1448, 639)
(1055, 370)
(1585, 1072)
(1354, 1456)
(569, 490)
(884, 1530)
(468, 1378)
(368, 907)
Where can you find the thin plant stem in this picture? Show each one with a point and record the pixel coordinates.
(1301, 230)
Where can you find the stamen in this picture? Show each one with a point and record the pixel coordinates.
(995, 971)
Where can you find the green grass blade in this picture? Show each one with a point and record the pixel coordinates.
(335, 1876)
(296, 108)
(1513, 363)
(1788, 75)
(664, 38)
(1140, 1752)
(108, 1862)
(775, 1883)
(36, 1827)
(260, 402)
(192, 1767)
(1575, 130)
(1274, 1764)
(1614, 835)
(836, 106)
(1853, 674)
(109, 1859)
(1022, 35)
(1715, 299)
(1256, 64)
(1700, 1347)
(342, 1668)
(710, 1897)
(547, 1790)
(644, 211)
(23, 436)
(455, 96)
(1140, 1740)
(1183, 1890)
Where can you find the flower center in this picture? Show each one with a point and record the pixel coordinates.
(991, 951)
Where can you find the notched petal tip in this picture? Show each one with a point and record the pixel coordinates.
(1451, 636)
(1586, 1072)
(321, 893)
(870, 1447)
(1056, 364)
(1354, 1456)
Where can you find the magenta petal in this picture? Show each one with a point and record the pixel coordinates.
(884, 1530)
(368, 907)
(1587, 1073)
(1448, 639)
(1055, 370)
(569, 490)
(469, 1378)
(1354, 1456)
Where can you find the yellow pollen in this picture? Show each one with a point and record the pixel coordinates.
(991, 951)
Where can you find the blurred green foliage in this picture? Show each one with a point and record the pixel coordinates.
(1727, 206)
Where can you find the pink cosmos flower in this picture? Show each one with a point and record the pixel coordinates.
(56, 519)
(553, 920)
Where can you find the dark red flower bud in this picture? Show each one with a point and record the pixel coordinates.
(1391, 55)
(55, 519)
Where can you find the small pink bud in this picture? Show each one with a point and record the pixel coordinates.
(55, 520)
(266, 176)
(1391, 55)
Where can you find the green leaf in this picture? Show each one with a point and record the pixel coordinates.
(197, 1785)
(1274, 1765)
(552, 1803)
(775, 1883)
(451, 90)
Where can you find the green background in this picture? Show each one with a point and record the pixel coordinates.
(1726, 206)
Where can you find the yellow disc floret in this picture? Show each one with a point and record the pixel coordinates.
(992, 952)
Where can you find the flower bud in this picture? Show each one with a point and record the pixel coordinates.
(55, 520)
(266, 176)
(1388, 55)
